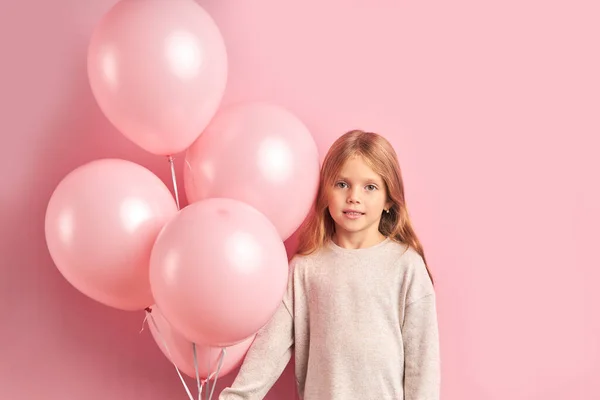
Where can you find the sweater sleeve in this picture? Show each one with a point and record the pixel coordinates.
(268, 355)
(421, 350)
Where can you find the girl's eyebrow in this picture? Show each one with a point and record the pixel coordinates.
(368, 180)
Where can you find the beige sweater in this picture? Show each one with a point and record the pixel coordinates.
(362, 324)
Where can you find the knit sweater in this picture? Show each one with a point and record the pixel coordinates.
(362, 324)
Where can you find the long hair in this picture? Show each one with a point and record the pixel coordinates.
(380, 156)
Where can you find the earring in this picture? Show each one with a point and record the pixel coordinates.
(387, 211)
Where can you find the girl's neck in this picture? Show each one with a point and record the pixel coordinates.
(357, 241)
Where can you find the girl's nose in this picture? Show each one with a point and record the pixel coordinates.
(353, 196)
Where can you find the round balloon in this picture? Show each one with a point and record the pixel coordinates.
(158, 71)
(101, 223)
(260, 154)
(218, 271)
(180, 352)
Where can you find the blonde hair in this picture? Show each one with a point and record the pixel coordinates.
(380, 156)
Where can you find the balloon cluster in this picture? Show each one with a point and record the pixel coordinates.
(213, 273)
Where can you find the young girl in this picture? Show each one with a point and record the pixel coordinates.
(360, 308)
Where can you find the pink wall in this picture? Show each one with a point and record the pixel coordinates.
(494, 110)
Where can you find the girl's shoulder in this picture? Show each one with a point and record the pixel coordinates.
(302, 263)
(407, 256)
(302, 260)
(415, 275)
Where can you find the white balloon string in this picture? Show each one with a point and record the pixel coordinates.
(145, 319)
(208, 379)
(174, 179)
(200, 384)
(223, 352)
(203, 382)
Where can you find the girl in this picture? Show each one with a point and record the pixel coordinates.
(360, 308)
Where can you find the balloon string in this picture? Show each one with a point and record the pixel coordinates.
(223, 352)
(148, 310)
(211, 376)
(200, 384)
(174, 179)
(151, 318)
(208, 378)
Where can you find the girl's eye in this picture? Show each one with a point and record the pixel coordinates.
(341, 185)
(370, 188)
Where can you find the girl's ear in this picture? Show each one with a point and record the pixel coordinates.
(389, 205)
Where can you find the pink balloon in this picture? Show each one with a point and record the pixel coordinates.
(182, 355)
(260, 154)
(101, 223)
(158, 70)
(218, 271)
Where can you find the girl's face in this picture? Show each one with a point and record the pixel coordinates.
(356, 201)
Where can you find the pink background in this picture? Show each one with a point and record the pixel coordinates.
(492, 106)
